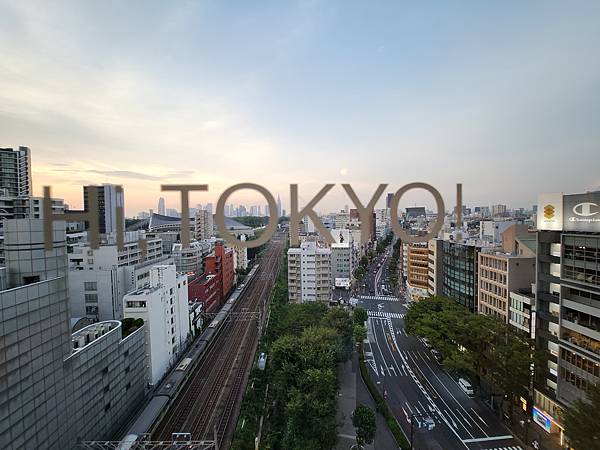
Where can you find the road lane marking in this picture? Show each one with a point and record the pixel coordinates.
(452, 395)
(489, 438)
(474, 412)
(420, 386)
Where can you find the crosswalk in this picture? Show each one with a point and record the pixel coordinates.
(381, 298)
(514, 447)
(385, 315)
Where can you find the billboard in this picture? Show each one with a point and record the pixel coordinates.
(550, 212)
(581, 212)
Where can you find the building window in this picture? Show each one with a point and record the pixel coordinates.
(90, 286)
(91, 298)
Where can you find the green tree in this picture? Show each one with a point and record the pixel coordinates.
(363, 420)
(581, 421)
(360, 315)
(360, 333)
(364, 261)
(359, 273)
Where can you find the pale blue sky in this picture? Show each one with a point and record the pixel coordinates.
(503, 97)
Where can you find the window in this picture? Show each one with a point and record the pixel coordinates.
(91, 310)
(90, 286)
(91, 298)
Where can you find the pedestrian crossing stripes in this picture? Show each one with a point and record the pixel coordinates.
(518, 447)
(381, 298)
(385, 315)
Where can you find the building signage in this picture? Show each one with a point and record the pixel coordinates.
(541, 419)
(581, 212)
(550, 212)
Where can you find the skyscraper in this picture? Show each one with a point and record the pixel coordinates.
(388, 200)
(161, 206)
(15, 172)
(108, 200)
(278, 206)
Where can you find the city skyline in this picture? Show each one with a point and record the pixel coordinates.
(321, 93)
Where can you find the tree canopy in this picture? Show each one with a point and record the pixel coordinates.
(480, 345)
(581, 421)
(363, 420)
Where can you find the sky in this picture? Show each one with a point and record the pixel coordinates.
(503, 97)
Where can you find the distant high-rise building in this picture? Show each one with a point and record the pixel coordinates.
(498, 210)
(267, 210)
(388, 200)
(278, 206)
(161, 206)
(15, 172)
(209, 208)
(171, 212)
(108, 200)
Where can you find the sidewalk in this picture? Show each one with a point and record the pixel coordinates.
(533, 433)
(353, 391)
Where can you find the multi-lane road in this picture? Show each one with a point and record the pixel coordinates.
(416, 386)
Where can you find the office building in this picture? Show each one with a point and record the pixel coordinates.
(499, 274)
(204, 225)
(108, 201)
(98, 279)
(163, 306)
(58, 388)
(388, 200)
(309, 273)
(499, 211)
(434, 264)
(417, 270)
(342, 264)
(520, 309)
(161, 206)
(15, 172)
(567, 303)
(415, 212)
(459, 272)
(190, 260)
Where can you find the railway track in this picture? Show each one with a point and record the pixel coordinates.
(208, 404)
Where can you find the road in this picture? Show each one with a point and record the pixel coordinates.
(416, 386)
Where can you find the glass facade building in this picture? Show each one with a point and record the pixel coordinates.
(459, 273)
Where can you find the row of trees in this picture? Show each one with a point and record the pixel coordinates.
(304, 343)
(479, 345)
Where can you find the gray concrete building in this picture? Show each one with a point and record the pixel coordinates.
(58, 388)
(15, 172)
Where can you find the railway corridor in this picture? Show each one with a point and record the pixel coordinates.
(208, 403)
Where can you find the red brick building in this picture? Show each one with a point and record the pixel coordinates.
(215, 285)
(205, 289)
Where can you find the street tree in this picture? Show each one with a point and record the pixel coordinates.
(581, 421)
(363, 420)
(360, 333)
(360, 315)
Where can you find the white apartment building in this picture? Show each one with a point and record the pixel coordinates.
(382, 222)
(204, 224)
(163, 306)
(309, 273)
(342, 219)
(98, 279)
